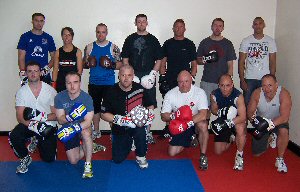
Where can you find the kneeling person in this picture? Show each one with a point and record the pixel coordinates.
(36, 117)
(117, 108)
(185, 107)
(228, 104)
(74, 111)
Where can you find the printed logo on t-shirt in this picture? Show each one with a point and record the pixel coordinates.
(140, 44)
(44, 41)
(37, 52)
(256, 53)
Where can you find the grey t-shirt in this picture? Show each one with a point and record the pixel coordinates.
(213, 71)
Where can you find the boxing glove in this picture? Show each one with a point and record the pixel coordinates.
(77, 112)
(124, 121)
(45, 71)
(23, 77)
(106, 63)
(177, 127)
(184, 113)
(263, 124)
(34, 114)
(148, 81)
(211, 57)
(67, 132)
(163, 84)
(227, 113)
(41, 128)
(219, 126)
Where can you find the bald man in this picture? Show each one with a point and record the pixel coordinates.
(221, 99)
(274, 103)
(186, 94)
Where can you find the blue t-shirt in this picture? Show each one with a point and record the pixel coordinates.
(36, 47)
(98, 74)
(63, 101)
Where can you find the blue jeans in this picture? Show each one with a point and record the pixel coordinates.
(252, 85)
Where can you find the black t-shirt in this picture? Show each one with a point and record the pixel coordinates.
(179, 54)
(142, 51)
(117, 101)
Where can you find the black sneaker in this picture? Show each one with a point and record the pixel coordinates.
(194, 141)
(24, 163)
(203, 162)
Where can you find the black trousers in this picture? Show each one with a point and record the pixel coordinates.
(46, 146)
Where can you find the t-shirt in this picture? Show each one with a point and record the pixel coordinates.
(257, 61)
(213, 71)
(119, 102)
(195, 98)
(25, 97)
(36, 47)
(142, 51)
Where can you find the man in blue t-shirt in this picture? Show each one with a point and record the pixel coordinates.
(34, 45)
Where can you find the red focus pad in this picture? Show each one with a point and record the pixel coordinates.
(184, 113)
(177, 127)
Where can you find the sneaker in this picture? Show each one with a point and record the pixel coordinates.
(32, 145)
(239, 163)
(133, 147)
(24, 163)
(150, 138)
(194, 141)
(280, 164)
(96, 135)
(88, 172)
(273, 140)
(203, 162)
(97, 147)
(142, 162)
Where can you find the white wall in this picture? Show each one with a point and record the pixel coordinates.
(83, 16)
(288, 68)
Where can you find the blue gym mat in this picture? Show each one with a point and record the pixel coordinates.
(162, 175)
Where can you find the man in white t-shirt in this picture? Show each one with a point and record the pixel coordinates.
(195, 102)
(257, 58)
(36, 117)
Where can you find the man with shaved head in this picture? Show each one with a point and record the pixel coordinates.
(228, 104)
(185, 107)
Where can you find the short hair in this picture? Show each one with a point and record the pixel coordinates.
(179, 21)
(73, 73)
(36, 15)
(101, 25)
(271, 76)
(33, 63)
(258, 18)
(124, 67)
(140, 15)
(217, 19)
(68, 29)
(223, 76)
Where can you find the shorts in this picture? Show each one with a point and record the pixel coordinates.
(261, 145)
(208, 88)
(224, 137)
(73, 143)
(97, 93)
(151, 92)
(184, 139)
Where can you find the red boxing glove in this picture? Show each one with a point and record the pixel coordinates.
(177, 127)
(184, 113)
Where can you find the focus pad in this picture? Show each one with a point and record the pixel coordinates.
(139, 115)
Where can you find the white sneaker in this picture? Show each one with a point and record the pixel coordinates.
(273, 140)
(239, 163)
(96, 135)
(24, 163)
(97, 147)
(142, 162)
(31, 147)
(280, 164)
(150, 139)
(88, 172)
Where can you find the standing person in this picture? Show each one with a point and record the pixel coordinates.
(102, 74)
(257, 58)
(143, 52)
(228, 104)
(179, 54)
(269, 111)
(117, 108)
(74, 111)
(36, 117)
(67, 58)
(34, 45)
(192, 119)
(217, 54)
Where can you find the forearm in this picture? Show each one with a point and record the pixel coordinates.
(108, 117)
(201, 116)
(166, 117)
(194, 68)
(157, 65)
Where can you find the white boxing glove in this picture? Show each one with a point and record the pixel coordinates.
(123, 121)
(271, 124)
(45, 70)
(136, 79)
(148, 80)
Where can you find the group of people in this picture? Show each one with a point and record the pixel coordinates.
(128, 104)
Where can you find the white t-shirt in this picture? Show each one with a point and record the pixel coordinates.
(196, 98)
(257, 61)
(25, 97)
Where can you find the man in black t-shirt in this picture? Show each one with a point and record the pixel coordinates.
(116, 107)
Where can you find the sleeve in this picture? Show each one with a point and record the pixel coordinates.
(193, 51)
(164, 49)
(200, 49)
(53, 94)
(20, 98)
(147, 101)
(89, 103)
(51, 44)
(273, 47)
(231, 52)
(22, 43)
(158, 50)
(126, 48)
(167, 107)
(58, 101)
(243, 46)
(202, 104)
